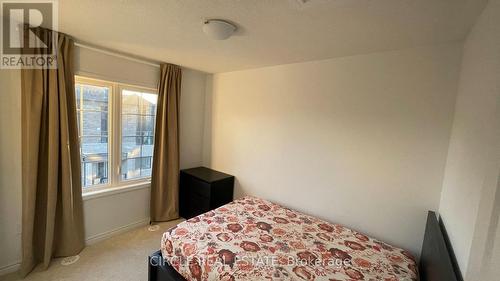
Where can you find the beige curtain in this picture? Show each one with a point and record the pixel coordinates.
(165, 176)
(52, 217)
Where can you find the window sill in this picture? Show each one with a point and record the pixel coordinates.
(104, 192)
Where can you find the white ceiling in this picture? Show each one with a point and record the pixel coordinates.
(271, 32)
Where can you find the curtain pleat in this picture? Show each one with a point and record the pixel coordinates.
(52, 207)
(164, 203)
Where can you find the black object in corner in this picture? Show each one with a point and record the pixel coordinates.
(202, 189)
(437, 261)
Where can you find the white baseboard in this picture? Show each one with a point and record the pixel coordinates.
(10, 268)
(110, 233)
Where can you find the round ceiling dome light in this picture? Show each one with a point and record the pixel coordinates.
(218, 29)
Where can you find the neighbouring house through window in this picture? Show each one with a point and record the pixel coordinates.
(116, 131)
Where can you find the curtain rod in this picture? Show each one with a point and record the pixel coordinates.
(116, 54)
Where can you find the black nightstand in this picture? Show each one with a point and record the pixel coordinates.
(202, 189)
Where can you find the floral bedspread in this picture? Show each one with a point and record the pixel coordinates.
(253, 239)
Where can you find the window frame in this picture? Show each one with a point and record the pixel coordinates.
(114, 134)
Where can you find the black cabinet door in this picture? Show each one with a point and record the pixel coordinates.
(222, 193)
(202, 189)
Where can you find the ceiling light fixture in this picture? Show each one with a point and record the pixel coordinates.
(218, 29)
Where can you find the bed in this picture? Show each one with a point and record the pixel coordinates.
(254, 239)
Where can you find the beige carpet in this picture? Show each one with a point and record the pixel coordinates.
(122, 257)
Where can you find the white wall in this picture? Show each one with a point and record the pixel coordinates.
(10, 169)
(112, 214)
(192, 118)
(207, 130)
(103, 215)
(472, 169)
(492, 266)
(359, 140)
(100, 65)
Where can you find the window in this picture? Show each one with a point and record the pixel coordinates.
(92, 103)
(138, 122)
(116, 131)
